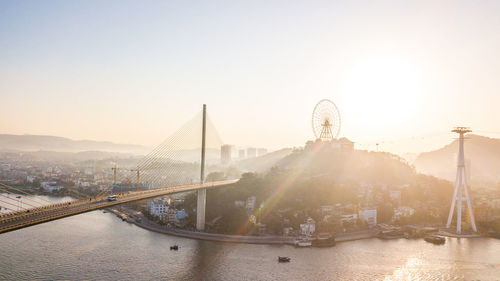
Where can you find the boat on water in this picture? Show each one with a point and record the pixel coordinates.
(174, 247)
(303, 243)
(390, 234)
(283, 259)
(435, 239)
(324, 240)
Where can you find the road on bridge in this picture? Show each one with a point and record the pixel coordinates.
(13, 221)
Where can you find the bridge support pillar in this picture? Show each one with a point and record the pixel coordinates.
(202, 193)
(200, 209)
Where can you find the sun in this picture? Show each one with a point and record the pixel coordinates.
(383, 94)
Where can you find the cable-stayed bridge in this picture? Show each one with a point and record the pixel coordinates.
(176, 165)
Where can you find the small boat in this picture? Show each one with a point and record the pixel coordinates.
(283, 259)
(303, 243)
(174, 247)
(435, 239)
(390, 234)
(324, 240)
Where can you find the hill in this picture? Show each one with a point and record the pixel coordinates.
(482, 156)
(60, 144)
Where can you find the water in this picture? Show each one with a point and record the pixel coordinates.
(29, 201)
(99, 246)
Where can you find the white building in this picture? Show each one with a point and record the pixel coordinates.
(30, 179)
(250, 204)
(369, 216)
(238, 204)
(50, 186)
(226, 151)
(402, 211)
(395, 195)
(308, 228)
(158, 207)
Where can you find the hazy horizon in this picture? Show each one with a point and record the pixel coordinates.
(122, 72)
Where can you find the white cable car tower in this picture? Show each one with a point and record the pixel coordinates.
(461, 185)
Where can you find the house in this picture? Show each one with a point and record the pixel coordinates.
(369, 216)
(158, 207)
(239, 204)
(50, 186)
(250, 204)
(308, 228)
(402, 211)
(326, 209)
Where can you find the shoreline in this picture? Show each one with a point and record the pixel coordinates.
(268, 240)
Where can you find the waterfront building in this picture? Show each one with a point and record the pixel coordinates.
(158, 207)
(369, 216)
(181, 214)
(308, 228)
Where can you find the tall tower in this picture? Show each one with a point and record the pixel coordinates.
(461, 186)
(202, 193)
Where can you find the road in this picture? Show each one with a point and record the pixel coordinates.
(13, 221)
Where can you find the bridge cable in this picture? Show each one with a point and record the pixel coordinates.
(27, 198)
(24, 192)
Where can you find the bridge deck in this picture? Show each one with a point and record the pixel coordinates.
(13, 221)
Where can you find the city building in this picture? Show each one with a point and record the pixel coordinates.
(250, 204)
(241, 154)
(308, 228)
(346, 145)
(239, 204)
(50, 186)
(226, 151)
(327, 209)
(402, 211)
(251, 152)
(369, 216)
(158, 207)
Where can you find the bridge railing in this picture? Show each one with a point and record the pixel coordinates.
(47, 210)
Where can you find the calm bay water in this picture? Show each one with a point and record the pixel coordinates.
(99, 246)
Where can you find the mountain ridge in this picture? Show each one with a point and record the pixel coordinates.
(28, 142)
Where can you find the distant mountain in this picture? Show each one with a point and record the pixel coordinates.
(57, 156)
(264, 162)
(482, 157)
(60, 144)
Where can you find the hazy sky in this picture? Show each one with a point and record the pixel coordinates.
(135, 71)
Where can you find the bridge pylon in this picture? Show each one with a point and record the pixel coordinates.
(202, 193)
(461, 186)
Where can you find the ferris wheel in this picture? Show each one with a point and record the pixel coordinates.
(326, 120)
